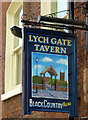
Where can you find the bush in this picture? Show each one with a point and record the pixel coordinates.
(60, 83)
(53, 81)
(34, 79)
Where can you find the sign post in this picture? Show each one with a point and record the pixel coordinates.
(49, 71)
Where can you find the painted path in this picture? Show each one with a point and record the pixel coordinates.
(50, 93)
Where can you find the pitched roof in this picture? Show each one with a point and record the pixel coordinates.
(50, 70)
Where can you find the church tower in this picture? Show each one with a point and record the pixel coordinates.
(62, 76)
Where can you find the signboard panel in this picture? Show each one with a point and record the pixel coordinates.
(49, 71)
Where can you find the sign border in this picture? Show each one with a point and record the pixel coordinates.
(25, 70)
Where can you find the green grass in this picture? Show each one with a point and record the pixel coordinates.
(53, 81)
(34, 79)
(60, 84)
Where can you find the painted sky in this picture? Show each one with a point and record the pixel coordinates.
(59, 63)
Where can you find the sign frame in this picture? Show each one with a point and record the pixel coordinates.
(26, 73)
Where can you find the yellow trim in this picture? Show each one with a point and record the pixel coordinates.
(85, 85)
(16, 49)
(11, 47)
(11, 9)
(12, 93)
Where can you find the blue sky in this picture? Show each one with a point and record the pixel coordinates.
(59, 63)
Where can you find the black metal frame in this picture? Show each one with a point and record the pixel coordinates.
(51, 21)
(54, 25)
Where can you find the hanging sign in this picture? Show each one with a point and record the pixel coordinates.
(49, 71)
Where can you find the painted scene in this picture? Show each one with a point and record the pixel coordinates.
(49, 76)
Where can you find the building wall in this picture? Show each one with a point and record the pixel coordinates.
(12, 107)
(0, 59)
(82, 64)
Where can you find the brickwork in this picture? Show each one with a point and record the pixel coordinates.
(0, 58)
(39, 86)
(81, 63)
(56, 85)
(61, 89)
(47, 78)
(43, 83)
(31, 9)
(12, 107)
(62, 76)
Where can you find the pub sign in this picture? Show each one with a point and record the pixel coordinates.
(49, 71)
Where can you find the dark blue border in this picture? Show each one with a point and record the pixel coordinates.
(72, 110)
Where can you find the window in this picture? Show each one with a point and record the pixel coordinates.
(48, 7)
(57, 6)
(17, 51)
(61, 9)
(20, 25)
(13, 57)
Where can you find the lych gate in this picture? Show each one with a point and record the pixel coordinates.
(52, 73)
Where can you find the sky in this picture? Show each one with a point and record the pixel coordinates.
(59, 63)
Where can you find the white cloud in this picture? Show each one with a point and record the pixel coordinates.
(46, 59)
(62, 61)
(39, 66)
